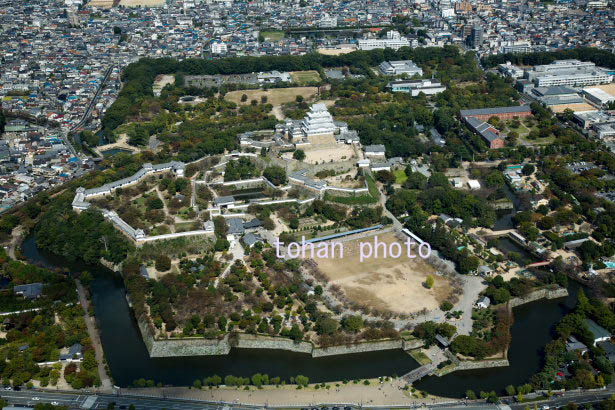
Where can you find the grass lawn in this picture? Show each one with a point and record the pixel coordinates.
(185, 226)
(140, 204)
(304, 77)
(160, 230)
(400, 176)
(273, 35)
(420, 357)
(275, 96)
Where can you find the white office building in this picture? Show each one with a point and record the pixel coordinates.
(509, 70)
(393, 40)
(568, 72)
(327, 21)
(218, 47)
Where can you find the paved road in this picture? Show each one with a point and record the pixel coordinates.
(101, 401)
(87, 112)
(576, 397)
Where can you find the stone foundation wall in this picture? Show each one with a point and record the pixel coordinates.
(482, 364)
(554, 293)
(206, 347)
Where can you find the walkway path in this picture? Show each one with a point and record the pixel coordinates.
(15, 239)
(238, 253)
(94, 337)
(472, 287)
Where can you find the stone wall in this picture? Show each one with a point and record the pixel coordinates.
(482, 364)
(206, 347)
(358, 348)
(546, 293)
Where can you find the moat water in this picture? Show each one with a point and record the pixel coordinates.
(129, 360)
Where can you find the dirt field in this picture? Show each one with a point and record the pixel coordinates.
(143, 3)
(385, 283)
(101, 3)
(336, 51)
(339, 153)
(302, 77)
(573, 107)
(275, 96)
(607, 88)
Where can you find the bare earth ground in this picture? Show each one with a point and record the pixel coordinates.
(163, 80)
(386, 393)
(385, 283)
(336, 51)
(324, 148)
(145, 3)
(122, 142)
(101, 3)
(275, 96)
(607, 88)
(573, 107)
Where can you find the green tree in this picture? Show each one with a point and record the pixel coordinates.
(352, 323)
(299, 155)
(162, 263)
(429, 282)
(528, 169)
(302, 380)
(275, 174)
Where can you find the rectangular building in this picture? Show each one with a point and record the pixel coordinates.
(400, 67)
(504, 113)
(568, 72)
(427, 87)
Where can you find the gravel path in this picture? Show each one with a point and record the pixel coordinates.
(94, 337)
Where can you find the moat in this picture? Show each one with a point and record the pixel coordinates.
(129, 360)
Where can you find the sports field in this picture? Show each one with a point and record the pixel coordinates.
(305, 77)
(273, 35)
(275, 96)
(385, 283)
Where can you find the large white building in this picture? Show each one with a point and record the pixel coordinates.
(327, 21)
(568, 72)
(415, 87)
(218, 47)
(393, 40)
(509, 70)
(318, 121)
(598, 97)
(400, 67)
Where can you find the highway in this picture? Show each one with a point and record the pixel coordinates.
(101, 401)
(87, 112)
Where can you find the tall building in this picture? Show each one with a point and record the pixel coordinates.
(476, 36)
